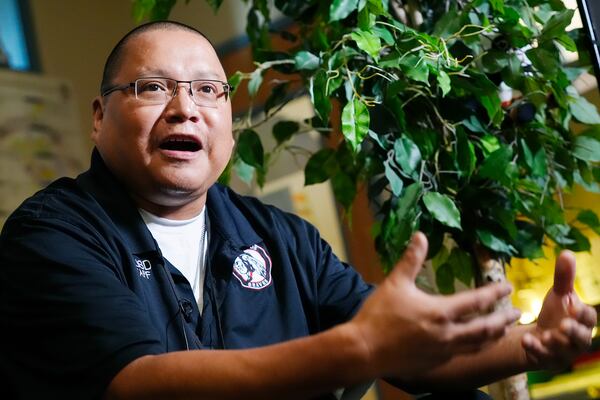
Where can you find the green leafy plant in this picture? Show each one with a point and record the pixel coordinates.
(458, 115)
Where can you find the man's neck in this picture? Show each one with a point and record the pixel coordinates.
(172, 211)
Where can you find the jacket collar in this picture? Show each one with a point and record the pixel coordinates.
(229, 218)
(114, 198)
(223, 205)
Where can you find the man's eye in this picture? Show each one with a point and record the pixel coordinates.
(206, 89)
(153, 87)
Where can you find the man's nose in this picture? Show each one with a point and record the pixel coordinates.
(181, 106)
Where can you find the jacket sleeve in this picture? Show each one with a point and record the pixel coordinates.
(341, 289)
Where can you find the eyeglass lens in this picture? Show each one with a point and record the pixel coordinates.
(162, 90)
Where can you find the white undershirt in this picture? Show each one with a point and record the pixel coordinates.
(184, 243)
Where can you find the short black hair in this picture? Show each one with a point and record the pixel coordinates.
(113, 62)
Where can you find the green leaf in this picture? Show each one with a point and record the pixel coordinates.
(142, 9)
(497, 5)
(474, 125)
(540, 164)
(235, 80)
(505, 218)
(340, 9)
(498, 166)
(566, 41)
(493, 106)
(544, 61)
(527, 154)
(355, 122)
(276, 98)
(589, 218)
(489, 144)
(448, 24)
(367, 42)
(589, 186)
(305, 60)
(415, 68)
(556, 25)
(444, 83)
(396, 183)
(440, 258)
(529, 240)
(462, 266)
(244, 171)
(320, 167)
(408, 202)
(560, 234)
(443, 209)
(394, 105)
(399, 225)
(321, 103)
(407, 156)
(586, 148)
(493, 242)
(465, 154)
(513, 73)
(249, 148)
(344, 189)
(284, 130)
(162, 9)
(495, 60)
(444, 279)
(256, 79)
(581, 243)
(214, 4)
(377, 7)
(384, 34)
(582, 110)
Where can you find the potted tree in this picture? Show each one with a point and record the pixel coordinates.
(458, 115)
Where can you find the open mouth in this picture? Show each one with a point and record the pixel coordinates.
(181, 144)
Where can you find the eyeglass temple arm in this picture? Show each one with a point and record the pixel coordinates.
(121, 87)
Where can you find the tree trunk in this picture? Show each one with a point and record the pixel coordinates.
(492, 270)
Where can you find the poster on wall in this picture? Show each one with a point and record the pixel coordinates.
(40, 139)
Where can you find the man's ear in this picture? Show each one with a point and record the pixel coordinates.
(98, 116)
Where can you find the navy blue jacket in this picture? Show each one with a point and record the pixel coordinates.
(84, 289)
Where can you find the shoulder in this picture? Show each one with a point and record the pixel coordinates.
(266, 218)
(62, 214)
(60, 200)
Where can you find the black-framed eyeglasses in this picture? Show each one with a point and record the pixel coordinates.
(159, 90)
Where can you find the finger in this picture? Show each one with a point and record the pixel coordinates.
(556, 340)
(561, 349)
(582, 313)
(412, 260)
(534, 347)
(587, 316)
(479, 300)
(564, 273)
(485, 328)
(579, 335)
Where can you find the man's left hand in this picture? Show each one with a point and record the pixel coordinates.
(564, 326)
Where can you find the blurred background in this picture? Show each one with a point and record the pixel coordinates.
(51, 59)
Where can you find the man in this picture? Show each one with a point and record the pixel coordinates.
(93, 306)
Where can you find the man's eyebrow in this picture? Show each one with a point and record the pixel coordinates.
(159, 72)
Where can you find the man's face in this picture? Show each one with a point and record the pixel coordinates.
(136, 140)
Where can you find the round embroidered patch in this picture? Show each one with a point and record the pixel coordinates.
(253, 268)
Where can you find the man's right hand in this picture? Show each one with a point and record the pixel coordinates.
(407, 332)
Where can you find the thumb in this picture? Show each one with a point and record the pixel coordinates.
(564, 273)
(412, 260)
